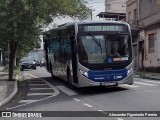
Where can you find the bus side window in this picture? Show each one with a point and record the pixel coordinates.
(63, 34)
(50, 46)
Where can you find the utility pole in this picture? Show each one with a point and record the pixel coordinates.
(91, 14)
(91, 10)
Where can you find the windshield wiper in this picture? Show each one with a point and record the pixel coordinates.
(96, 40)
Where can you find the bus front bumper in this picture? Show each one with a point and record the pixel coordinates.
(86, 82)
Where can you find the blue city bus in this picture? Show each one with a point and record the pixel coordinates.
(90, 53)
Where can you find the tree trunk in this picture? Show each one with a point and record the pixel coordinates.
(12, 54)
(17, 61)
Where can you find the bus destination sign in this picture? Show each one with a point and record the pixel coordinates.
(103, 28)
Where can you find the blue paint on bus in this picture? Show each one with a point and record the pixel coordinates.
(107, 75)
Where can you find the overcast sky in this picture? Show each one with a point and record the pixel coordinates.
(97, 6)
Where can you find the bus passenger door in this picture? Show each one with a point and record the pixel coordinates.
(74, 59)
(46, 54)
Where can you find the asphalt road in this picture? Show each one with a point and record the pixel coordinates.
(47, 94)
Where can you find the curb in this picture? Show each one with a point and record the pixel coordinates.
(151, 78)
(6, 100)
(56, 92)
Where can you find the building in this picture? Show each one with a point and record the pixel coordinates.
(132, 18)
(149, 19)
(114, 10)
(144, 17)
(36, 54)
(115, 6)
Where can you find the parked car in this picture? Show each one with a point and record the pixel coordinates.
(27, 65)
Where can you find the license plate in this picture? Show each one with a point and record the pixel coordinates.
(110, 84)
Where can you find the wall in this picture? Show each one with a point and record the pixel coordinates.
(151, 58)
(117, 6)
(36, 54)
(158, 36)
(131, 5)
(149, 12)
(149, 19)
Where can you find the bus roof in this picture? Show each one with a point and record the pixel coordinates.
(63, 26)
(91, 22)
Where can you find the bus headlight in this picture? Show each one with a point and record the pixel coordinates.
(129, 71)
(84, 73)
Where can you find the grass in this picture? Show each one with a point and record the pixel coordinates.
(15, 70)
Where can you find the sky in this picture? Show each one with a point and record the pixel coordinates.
(96, 5)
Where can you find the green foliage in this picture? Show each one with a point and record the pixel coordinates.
(21, 20)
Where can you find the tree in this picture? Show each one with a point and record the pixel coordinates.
(21, 22)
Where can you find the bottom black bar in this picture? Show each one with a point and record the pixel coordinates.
(80, 114)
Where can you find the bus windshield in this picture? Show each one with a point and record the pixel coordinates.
(104, 48)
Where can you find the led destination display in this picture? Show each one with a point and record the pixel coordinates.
(103, 28)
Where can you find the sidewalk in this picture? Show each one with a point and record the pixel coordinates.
(147, 75)
(7, 88)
